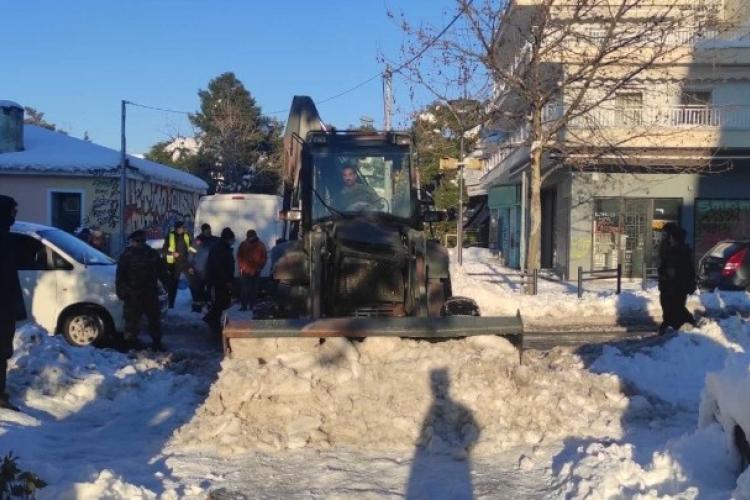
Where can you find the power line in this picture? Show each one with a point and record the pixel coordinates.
(131, 103)
(379, 74)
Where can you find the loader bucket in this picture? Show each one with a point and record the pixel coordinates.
(446, 327)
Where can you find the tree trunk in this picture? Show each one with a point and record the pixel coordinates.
(534, 243)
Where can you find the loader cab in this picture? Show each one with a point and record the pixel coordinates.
(351, 174)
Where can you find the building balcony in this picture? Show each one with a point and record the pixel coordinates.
(735, 117)
(682, 126)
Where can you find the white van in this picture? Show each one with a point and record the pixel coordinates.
(241, 212)
(68, 286)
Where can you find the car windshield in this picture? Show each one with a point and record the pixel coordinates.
(80, 251)
(357, 181)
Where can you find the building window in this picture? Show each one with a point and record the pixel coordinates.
(66, 210)
(629, 109)
(696, 98)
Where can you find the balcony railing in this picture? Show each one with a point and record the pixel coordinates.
(506, 147)
(685, 116)
(725, 117)
(691, 36)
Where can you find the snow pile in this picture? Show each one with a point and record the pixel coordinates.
(675, 370)
(726, 401)
(699, 462)
(94, 421)
(497, 291)
(392, 394)
(694, 466)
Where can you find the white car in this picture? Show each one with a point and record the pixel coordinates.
(68, 286)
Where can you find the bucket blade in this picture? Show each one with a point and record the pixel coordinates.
(446, 327)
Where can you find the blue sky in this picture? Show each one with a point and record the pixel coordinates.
(75, 60)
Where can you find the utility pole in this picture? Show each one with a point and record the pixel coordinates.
(460, 221)
(522, 239)
(123, 176)
(387, 98)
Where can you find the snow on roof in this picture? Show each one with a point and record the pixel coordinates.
(9, 104)
(48, 151)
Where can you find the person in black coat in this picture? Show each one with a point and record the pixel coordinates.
(11, 299)
(676, 278)
(219, 277)
(138, 270)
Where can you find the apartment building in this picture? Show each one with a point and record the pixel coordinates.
(671, 143)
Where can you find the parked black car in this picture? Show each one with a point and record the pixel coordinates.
(726, 266)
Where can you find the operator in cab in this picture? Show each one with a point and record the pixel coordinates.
(356, 195)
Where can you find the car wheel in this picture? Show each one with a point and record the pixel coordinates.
(83, 327)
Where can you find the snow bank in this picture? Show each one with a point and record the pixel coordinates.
(678, 371)
(451, 397)
(675, 369)
(95, 420)
(694, 466)
(726, 401)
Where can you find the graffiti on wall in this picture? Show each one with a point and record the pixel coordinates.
(717, 220)
(105, 207)
(155, 207)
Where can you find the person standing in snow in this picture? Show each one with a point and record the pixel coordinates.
(251, 258)
(12, 308)
(176, 250)
(138, 270)
(197, 270)
(219, 276)
(676, 278)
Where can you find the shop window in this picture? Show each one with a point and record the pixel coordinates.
(607, 229)
(627, 231)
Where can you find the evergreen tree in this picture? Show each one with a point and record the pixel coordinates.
(238, 144)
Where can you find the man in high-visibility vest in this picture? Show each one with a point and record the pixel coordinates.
(176, 249)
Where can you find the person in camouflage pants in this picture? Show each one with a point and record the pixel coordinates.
(138, 270)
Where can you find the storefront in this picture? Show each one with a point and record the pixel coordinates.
(627, 231)
(504, 202)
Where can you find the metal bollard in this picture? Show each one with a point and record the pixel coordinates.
(619, 278)
(536, 281)
(580, 281)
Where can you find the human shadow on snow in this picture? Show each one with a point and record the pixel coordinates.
(441, 466)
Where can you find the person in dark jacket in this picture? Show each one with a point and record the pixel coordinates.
(197, 271)
(176, 251)
(138, 270)
(219, 277)
(676, 278)
(11, 299)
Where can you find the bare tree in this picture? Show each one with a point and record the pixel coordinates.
(560, 75)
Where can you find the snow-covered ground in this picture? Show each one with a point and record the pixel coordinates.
(382, 418)
(497, 290)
